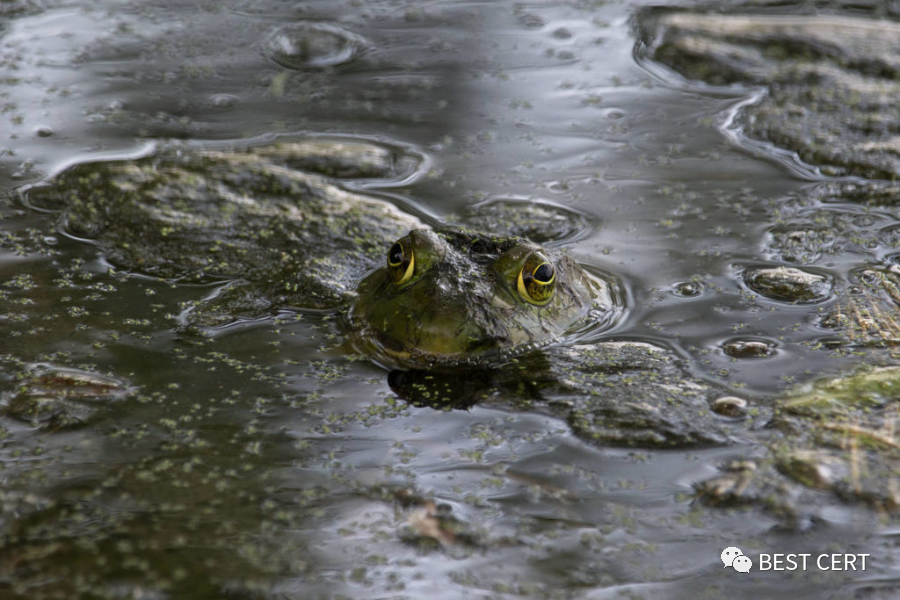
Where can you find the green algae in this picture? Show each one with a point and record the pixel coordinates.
(835, 435)
(875, 388)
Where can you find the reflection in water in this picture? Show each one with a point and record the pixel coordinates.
(261, 461)
(520, 381)
(441, 391)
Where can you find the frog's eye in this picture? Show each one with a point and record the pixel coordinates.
(401, 261)
(414, 255)
(537, 280)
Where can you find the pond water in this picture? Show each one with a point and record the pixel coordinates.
(266, 458)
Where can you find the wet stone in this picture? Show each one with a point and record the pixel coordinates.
(619, 393)
(727, 487)
(834, 435)
(531, 20)
(890, 236)
(821, 223)
(865, 391)
(264, 216)
(540, 221)
(829, 102)
(788, 284)
(342, 158)
(743, 482)
(688, 289)
(632, 394)
(847, 225)
(745, 348)
(313, 45)
(224, 100)
(812, 468)
(803, 244)
(866, 312)
(730, 406)
(868, 193)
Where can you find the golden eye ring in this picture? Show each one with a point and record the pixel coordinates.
(401, 261)
(537, 280)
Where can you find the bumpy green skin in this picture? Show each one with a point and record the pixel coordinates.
(464, 306)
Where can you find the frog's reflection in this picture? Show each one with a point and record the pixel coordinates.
(522, 380)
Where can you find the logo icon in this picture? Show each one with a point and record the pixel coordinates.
(734, 558)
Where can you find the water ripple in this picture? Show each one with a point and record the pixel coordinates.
(313, 46)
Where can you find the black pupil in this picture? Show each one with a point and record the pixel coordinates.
(544, 273)
(395, 256)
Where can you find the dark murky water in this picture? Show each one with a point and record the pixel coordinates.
(261, 461)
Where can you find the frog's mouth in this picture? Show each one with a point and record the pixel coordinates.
(416, 358)
(427, 347)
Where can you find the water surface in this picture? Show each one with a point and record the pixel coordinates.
(266, 460)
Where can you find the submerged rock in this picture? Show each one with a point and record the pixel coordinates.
(747, 348)
(788, 284)
(836, 435)
(539, 221)
(633, 394)
(620, 393)
(730, 406)
(867, 314)
(831, 82)
(261, 216)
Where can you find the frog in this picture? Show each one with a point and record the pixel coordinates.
(453, 296)
(293, 225)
